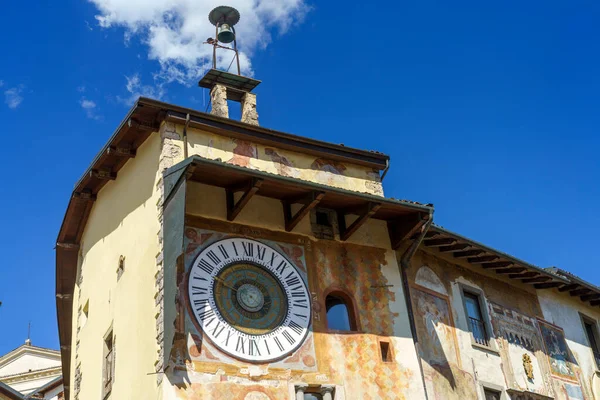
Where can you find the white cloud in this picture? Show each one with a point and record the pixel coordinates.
(136, 89)
(90, 108)
(81, 89)
(13, 97)
(174, 30)
(1, 83)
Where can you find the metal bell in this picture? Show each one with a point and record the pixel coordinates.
(226, 35)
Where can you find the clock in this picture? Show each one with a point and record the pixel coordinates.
(249, 299)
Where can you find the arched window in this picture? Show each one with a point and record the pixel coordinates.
(340, 312)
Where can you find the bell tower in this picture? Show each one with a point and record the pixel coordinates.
(224, 85)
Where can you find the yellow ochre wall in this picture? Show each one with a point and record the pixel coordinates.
(123, 221)
(364, 266)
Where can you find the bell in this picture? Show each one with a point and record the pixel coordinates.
(226, 35)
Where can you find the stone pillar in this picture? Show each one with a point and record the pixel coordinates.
(327, 391)
(300, 388)
(218, 99)
(249, 114)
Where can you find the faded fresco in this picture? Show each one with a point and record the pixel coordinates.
(444, 377)
(559, 357)
(285, 163)
(351, 359)
(521, 348)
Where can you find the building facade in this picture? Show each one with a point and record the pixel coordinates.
(206, 258)
(31, 372)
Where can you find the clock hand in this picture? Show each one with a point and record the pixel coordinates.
(225, 284)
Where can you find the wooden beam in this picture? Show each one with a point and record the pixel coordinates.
(538, 279)
(512, 270)
(454, 247)
(345, 233)
(467, 253)
(439, 242)
(233, 208)
(402, 229)
(524, 275)
(566, 288)
(309, 203)
(497, 264)
(579, 292)
(120, 151)
(547, 285)
(595, 303)
(430, 234)
(589, 297)
(103, 174)
(481, 259)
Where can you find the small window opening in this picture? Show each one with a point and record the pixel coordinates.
(323, 218)
(121, 267)
(313, 396)
(475, 319)
(591, 332)
(85, 313)
(491, 394)
(386, 351)
(338, 314)
(108, 368)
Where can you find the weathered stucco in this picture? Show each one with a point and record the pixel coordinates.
(528, 354)
(123, 221)
(350, 361)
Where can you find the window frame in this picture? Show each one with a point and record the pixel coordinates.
(483, 310)
(106, 351)
(483, 386)
(348, 299)
(595, 331)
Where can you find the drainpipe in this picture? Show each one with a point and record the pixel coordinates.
(185, 139)
(387, 167)
(404, 266)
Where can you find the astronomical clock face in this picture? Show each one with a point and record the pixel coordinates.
(249, 300)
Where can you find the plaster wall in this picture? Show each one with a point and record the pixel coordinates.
(29, 362)
(123, 222)
(283, 162)
(365, 267)
(455, 367)
(566, 311)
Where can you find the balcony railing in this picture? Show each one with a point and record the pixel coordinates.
(478, 330)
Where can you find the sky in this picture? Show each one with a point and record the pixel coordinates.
(489, 110)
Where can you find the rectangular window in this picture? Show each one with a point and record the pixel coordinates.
(491, 394)
(108, 368)
(386, 351)
(475, 318)
(591, 332)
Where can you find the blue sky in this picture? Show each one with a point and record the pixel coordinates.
(489, 111)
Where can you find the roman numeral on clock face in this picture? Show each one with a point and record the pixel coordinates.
(213, 257)
(241, 343)
(253, 348)
(248, 249)
(223, 251)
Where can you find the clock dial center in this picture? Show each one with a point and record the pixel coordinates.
(250, 297)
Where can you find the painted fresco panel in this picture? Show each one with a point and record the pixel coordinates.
(285, 163)
(559, 357)
(436, 331)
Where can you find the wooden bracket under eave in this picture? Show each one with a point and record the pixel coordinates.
(346, 232)
(402, 229)
(103, 174)
(118, 151)
(548, 285)
(309, 202)
(250, 189)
